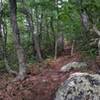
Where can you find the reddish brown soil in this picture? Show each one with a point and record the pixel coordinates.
(41, 83)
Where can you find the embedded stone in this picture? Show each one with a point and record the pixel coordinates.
(80, 86)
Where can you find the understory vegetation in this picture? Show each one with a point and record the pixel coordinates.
(34, 30)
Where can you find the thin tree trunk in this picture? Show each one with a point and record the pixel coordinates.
(37, 47)
(59, 45)
(98, 33)
(84, 20)
(53, 32)
(16, 37)
(34, 30)
(57, 32)
(56, 45)
(35, 36)
(72, 47)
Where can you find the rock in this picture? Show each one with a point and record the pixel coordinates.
(73, 65)
(80, 86)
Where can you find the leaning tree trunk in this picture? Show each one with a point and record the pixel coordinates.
(16, 37)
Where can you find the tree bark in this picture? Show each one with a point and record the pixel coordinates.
(3, 39)
(16, 38)
(98, 33)
(35, 36)
(33, 29)
(84, 20)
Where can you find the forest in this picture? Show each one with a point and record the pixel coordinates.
(49, 49)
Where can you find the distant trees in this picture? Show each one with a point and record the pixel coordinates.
(88, 11)
(33, 29)
(40, 28)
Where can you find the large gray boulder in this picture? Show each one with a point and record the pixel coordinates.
(73, 65)
(80, 86)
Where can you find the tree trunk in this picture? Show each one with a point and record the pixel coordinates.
(72, 47)
(98, 33)
(59, 45)
(37, 47)
(34, 31)
(84, 20)
(3, 39)
(35, 36)
(53, 32)
(16, 37)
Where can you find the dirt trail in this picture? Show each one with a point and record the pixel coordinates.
(41, 83)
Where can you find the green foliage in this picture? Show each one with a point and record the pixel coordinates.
(52, 20)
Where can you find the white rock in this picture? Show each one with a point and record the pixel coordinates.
(80, 86)
(73, 65)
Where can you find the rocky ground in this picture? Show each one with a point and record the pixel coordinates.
(80, 86)
(42, 80)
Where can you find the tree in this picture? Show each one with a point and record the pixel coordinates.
(16, 38)
(3, 40)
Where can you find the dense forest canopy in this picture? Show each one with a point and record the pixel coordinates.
(33, 30)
